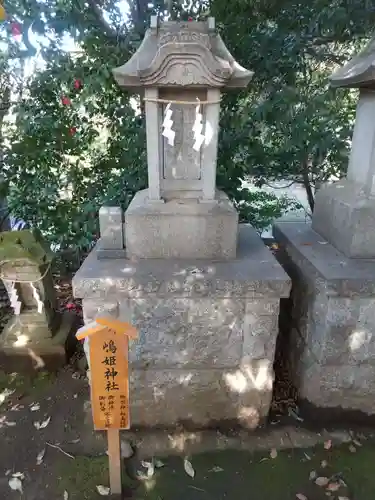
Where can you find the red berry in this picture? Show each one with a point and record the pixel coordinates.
(16, 29)
(70, 305)
(66, 101)
(77, 84)
(72, 130)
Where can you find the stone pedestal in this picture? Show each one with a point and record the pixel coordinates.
(28, 344)
(343, 215)
(181, 228)
(207, 332)
(332, 324)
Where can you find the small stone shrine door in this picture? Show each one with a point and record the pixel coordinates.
(181, 163)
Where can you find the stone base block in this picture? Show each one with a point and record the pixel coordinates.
(198, 397)
(332, 321)
(206, 331)
(201, 397)
(181, 228)
(344, 215)
(22, 349)
(110, 253)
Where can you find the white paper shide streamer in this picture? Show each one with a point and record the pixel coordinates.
(14, 299)
(197, 129)
(168, 133)
(37, 298)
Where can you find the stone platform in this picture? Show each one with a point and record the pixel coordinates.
(181, 228)
(27, 344)
(207, 331)
(332, 323)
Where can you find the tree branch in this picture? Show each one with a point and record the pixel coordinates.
(107, 28)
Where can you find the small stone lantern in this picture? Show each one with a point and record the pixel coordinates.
(181, 69)
(37, 335)
(345, 210)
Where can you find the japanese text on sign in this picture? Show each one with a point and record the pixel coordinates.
(109, 380)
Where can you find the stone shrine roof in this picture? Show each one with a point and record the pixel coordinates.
(359, 72)
(179, 54)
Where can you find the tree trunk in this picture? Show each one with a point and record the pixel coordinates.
(4, 108)
(308, 188)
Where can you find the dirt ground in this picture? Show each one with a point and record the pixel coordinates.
(51, 462)
(61, 400)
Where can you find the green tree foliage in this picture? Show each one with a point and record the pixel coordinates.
(289, 125)
(77, 142)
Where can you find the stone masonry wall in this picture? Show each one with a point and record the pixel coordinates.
(332, 332)
(197, 361)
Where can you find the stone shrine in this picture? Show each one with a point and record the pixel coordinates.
(36, 336)
(203, 292)
(332, 264)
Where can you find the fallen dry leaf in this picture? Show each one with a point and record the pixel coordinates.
(352, 449)
(34, 407)
(216, 469)
(145, 464)
(39, 458)
(66, 495)
(313, 475)
(150, 468)
(103, 490)
(323, 464)
(16, 407)
(158, 463)
(328, 445)
(333, 487)
(42, 425)
(300, 496)
(343, 498)
(10, 424)
(21, 475)
(141, 476)
(322, 481)
(273, 453)
(15, 484)
(357, 443)
(5, 393)
(150, 471)
(188, 468)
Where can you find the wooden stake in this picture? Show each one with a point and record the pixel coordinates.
(114, 456)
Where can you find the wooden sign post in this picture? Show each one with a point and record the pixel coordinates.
(109, 368)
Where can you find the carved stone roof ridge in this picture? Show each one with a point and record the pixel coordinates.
(179, 54)
(359, 72)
